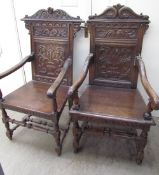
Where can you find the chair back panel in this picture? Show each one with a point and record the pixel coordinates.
(116, 39)
(52, 33)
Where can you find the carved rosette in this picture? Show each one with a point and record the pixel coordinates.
(113, 63)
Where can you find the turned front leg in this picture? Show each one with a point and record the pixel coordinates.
(57, 134)
(57, 137)
(77, 135)
(140, 145)
(5, 120)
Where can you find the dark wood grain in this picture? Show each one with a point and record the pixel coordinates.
(111, 105)
(78, 83)
(36, 100)
(52, 90)
(154, 99)
(51, 34)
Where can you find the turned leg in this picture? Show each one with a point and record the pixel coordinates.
(57, 140)
(77, 135)
(140, 145)
(9, 132)
(57, 135)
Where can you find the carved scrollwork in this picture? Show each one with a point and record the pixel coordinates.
(50, 13)
(126, 12)
(119, 12)
(113, 63)
(50, 29)
(50, 59)
(116, 33)
(76, 28)
(54, 22)
(118, 25)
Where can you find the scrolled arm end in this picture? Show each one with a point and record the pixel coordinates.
(50, 93)
(70, 91)
(155, 103)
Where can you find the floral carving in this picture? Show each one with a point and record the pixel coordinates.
(113, 63)
(116, 33)
(118, 25)
(49, 59)
(52, 22)
(53, 32)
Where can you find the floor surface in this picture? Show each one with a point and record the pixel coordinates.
(32, 153)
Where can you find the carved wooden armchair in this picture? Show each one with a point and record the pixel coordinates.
(51, 33)
(111, 105)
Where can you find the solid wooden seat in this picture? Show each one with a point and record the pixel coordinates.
(127, 105)
(51, 34)
(36, 100)
(111, 105)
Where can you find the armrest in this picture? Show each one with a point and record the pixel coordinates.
(79, 82)
(17, 66)
(52, 90)
(154, 99)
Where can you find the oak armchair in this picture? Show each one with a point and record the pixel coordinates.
(44, 97)
(111, 105)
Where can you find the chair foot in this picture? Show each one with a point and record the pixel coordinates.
(140, 157)
(76, 147)
(9, 134)
(77, 135)
(139, 161)
(76, 150)
(140, 146)
(58, 150)
(5, 118)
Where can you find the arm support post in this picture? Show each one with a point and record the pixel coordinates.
(73, 90)
(153, 97)
(52, 90)
(79, 82)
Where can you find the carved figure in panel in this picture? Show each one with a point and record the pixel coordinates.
(113, 62)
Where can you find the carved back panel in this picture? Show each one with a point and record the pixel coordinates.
(116, 39)
(52, 33)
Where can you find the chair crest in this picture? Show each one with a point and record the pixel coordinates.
(119, 12)
(51, 14)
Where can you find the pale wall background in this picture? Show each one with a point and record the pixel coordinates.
(15, 44)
